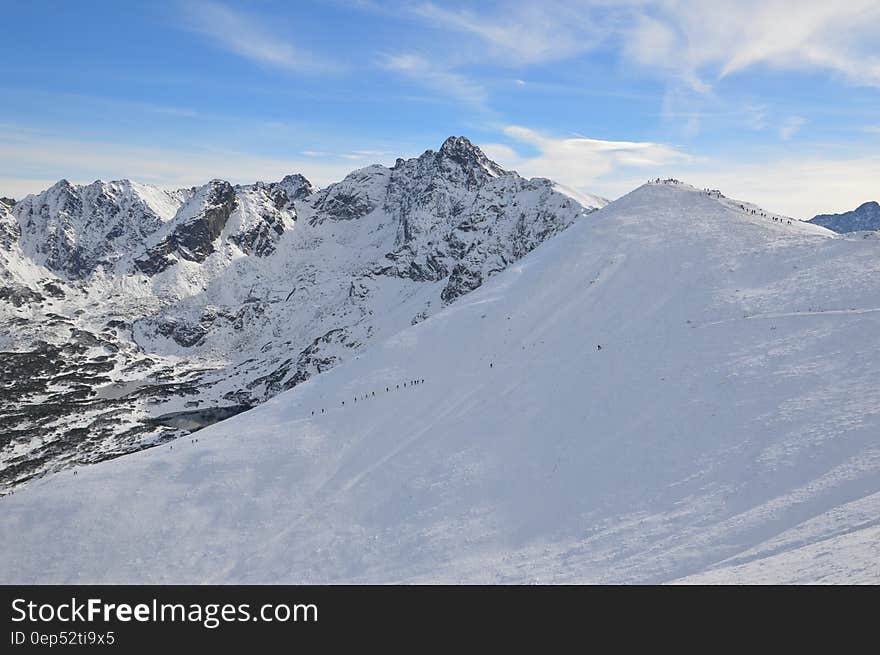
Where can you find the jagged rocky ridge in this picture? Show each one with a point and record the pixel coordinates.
(134, 315)
(866, 217)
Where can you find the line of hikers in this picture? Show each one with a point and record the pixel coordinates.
(388, 389)
(366, 396)
(715, 193)
(756, 212)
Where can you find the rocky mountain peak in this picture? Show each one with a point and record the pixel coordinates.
(296, 186)
(460, 150)
(63, 183)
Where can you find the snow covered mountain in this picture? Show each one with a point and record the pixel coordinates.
(678, 387)
(865, 217)
(133, 315)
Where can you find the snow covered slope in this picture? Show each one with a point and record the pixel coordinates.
(132, 315)
(730, 416)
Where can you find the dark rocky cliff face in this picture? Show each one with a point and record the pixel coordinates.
(10, 231)
(265, 211)
(261, 238)
(193, 239)
(352, 198)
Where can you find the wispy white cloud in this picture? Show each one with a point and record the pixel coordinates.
(705, 41)
(251, 38)
(656, 44)
(95, 103)
(693, 42)
(579, 162)
(790, 126)
(800, 186)
(756, 116)
(521, 32)
(450, 84)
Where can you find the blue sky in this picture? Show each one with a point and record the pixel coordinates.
(776, 102)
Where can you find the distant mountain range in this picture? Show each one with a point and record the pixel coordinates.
(864, 218)
(133, 315)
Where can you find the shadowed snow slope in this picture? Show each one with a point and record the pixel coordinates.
(730, 417)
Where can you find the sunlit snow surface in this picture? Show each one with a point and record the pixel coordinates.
(727, 431)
